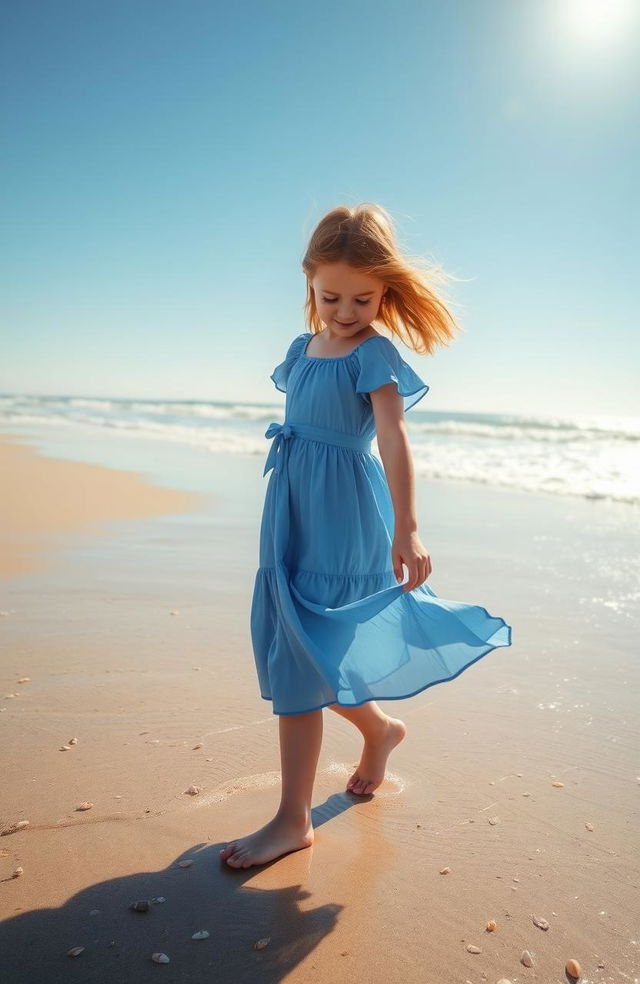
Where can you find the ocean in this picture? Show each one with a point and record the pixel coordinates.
(593, 457)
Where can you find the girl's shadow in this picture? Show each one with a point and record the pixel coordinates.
(209, 895)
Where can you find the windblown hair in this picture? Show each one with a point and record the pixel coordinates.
(363, 237)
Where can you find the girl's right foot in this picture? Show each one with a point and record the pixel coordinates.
(276, 838)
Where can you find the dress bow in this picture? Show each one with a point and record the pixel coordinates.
(279, 432)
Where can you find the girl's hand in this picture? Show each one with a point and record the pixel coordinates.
(408, 548)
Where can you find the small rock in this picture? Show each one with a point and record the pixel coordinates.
(95, 912)
(473, 949)
(199, 745)
(526, 959)
(20, 825)
(558, 785)
(494, 820)
(65, 748)
(72, 741)
(142, 905)
(445, 871)
(84, 806)
(589, 826)
(175, 613)
(540, 922)
(492, 926)
(202, 934)
(17, 872)
(516, 879)
(260, 944)
(160, 958)
(160, 898)
(573, 968)
(186, 863)
(24, 679)
(75, 951)
(193, 790)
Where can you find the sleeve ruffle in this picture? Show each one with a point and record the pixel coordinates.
(380, 363)
(280, 374)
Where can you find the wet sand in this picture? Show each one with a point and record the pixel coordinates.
(127, 606)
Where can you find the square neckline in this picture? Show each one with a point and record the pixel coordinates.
(333, 358)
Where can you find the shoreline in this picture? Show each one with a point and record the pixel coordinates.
(44, 497)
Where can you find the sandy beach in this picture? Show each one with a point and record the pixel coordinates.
(124, 624)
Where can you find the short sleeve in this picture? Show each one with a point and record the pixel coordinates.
(380, 363)
(280, 374)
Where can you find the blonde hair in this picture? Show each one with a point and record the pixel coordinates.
(363, 237)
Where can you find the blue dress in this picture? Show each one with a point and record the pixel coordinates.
(329, 622)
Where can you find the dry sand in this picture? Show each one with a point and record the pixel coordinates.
(137, 644)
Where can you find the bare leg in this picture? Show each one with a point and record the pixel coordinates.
(291, 828)
(381, 735)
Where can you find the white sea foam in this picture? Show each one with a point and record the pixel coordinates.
(590, 456)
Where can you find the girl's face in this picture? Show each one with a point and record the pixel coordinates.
(347, 300)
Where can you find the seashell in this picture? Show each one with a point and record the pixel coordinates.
(202, 934)
(492, 926)
(72, 741)
(75, 951)
(473, 949)
(260, 945)
(142, 905)
(573, 968)
(445, 871)
(199, 745)
(24, 679)
(160, 898)
(558, 785)
(20, 825)
(526, 959)
(160, 958)
(84, 806)
(186, 863)
(17, 873)
(193, 790)
(494, 820)
(65, 748)
(539, 921)
(589, 826)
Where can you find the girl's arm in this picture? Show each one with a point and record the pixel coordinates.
(395, 451)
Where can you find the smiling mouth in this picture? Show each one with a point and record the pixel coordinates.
(346, 324)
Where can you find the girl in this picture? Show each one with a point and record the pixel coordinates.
(330, 624)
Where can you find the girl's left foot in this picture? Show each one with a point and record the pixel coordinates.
(373, 762)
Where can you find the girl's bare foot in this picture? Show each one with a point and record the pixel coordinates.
(277, 837)
(373, 762)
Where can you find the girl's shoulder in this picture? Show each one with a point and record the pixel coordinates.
(280, 374)
(380, 362)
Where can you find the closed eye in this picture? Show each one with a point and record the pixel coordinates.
(332, 300)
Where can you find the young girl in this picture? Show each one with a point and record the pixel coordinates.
(330, 624)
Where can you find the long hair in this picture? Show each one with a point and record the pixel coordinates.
(363, 237)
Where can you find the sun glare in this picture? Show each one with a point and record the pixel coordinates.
(598, 23)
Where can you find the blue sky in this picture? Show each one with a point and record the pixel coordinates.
(163, 165)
